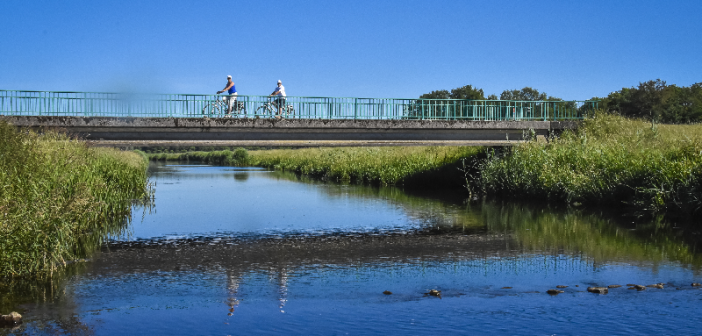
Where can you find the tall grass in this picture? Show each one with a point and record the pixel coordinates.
(377, 165)
(608, 160)
(380, 165)
(239, 156)
(59, 198)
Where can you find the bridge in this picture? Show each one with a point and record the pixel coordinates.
(124, 119)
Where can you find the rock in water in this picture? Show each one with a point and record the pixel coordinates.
(614, 286)
(598, 290)
(696, 284)
(554, 291)
(561, 286)
(387, 292)
(434, 292)
(11, 318)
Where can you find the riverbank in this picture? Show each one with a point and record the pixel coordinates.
(274, 243)
(610, 160)
(375, 165)
(60, 198)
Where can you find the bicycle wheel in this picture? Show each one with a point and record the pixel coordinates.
(290, 111)
(262, 107)
(267, 108)
(240, 108)
(210, 110)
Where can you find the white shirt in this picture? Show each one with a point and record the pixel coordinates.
(281, 90)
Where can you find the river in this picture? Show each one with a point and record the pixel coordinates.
(232, 250)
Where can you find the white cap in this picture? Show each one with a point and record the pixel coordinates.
(279, 81)
(229, 76)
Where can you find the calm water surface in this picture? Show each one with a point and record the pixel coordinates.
(226, 250)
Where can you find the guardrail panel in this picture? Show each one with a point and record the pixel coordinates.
(50, 103)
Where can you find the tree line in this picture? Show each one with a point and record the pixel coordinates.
(474, 93)
(656, 101)
(652, 100)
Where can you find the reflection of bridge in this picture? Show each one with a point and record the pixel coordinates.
(129, 117)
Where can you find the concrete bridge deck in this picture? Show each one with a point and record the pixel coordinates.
(291, 132)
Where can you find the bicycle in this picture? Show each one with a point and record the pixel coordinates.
(219, 107)
(272, 109)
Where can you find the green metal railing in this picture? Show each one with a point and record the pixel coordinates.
(51, 103)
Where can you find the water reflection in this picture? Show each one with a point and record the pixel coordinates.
(280, 276)
(233, 280)
(241, 177)
(599, 238)
(307, 277)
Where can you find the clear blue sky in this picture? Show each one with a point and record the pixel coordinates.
(569, 49)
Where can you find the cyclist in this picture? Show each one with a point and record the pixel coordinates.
(231, 89)
(280, 101)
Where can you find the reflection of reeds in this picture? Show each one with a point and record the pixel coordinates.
(60, 198)
(571, 232)
(608, 160)
(431, 213)
(574, 232)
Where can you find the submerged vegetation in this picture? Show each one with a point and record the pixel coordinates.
(59, 198)
(608, 160)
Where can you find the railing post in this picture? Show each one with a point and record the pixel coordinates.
(545, 111)
(355, 108)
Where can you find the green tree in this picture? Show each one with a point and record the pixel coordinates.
(438, 94)
(526, 94)
(468, 92)
(649, 99)
(658, 102)
(463, 92)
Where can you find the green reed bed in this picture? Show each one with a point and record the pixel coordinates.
(239, 156)
(59, 198)
(381, 165)
(608, 160)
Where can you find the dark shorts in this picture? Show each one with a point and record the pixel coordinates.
(280, 101)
